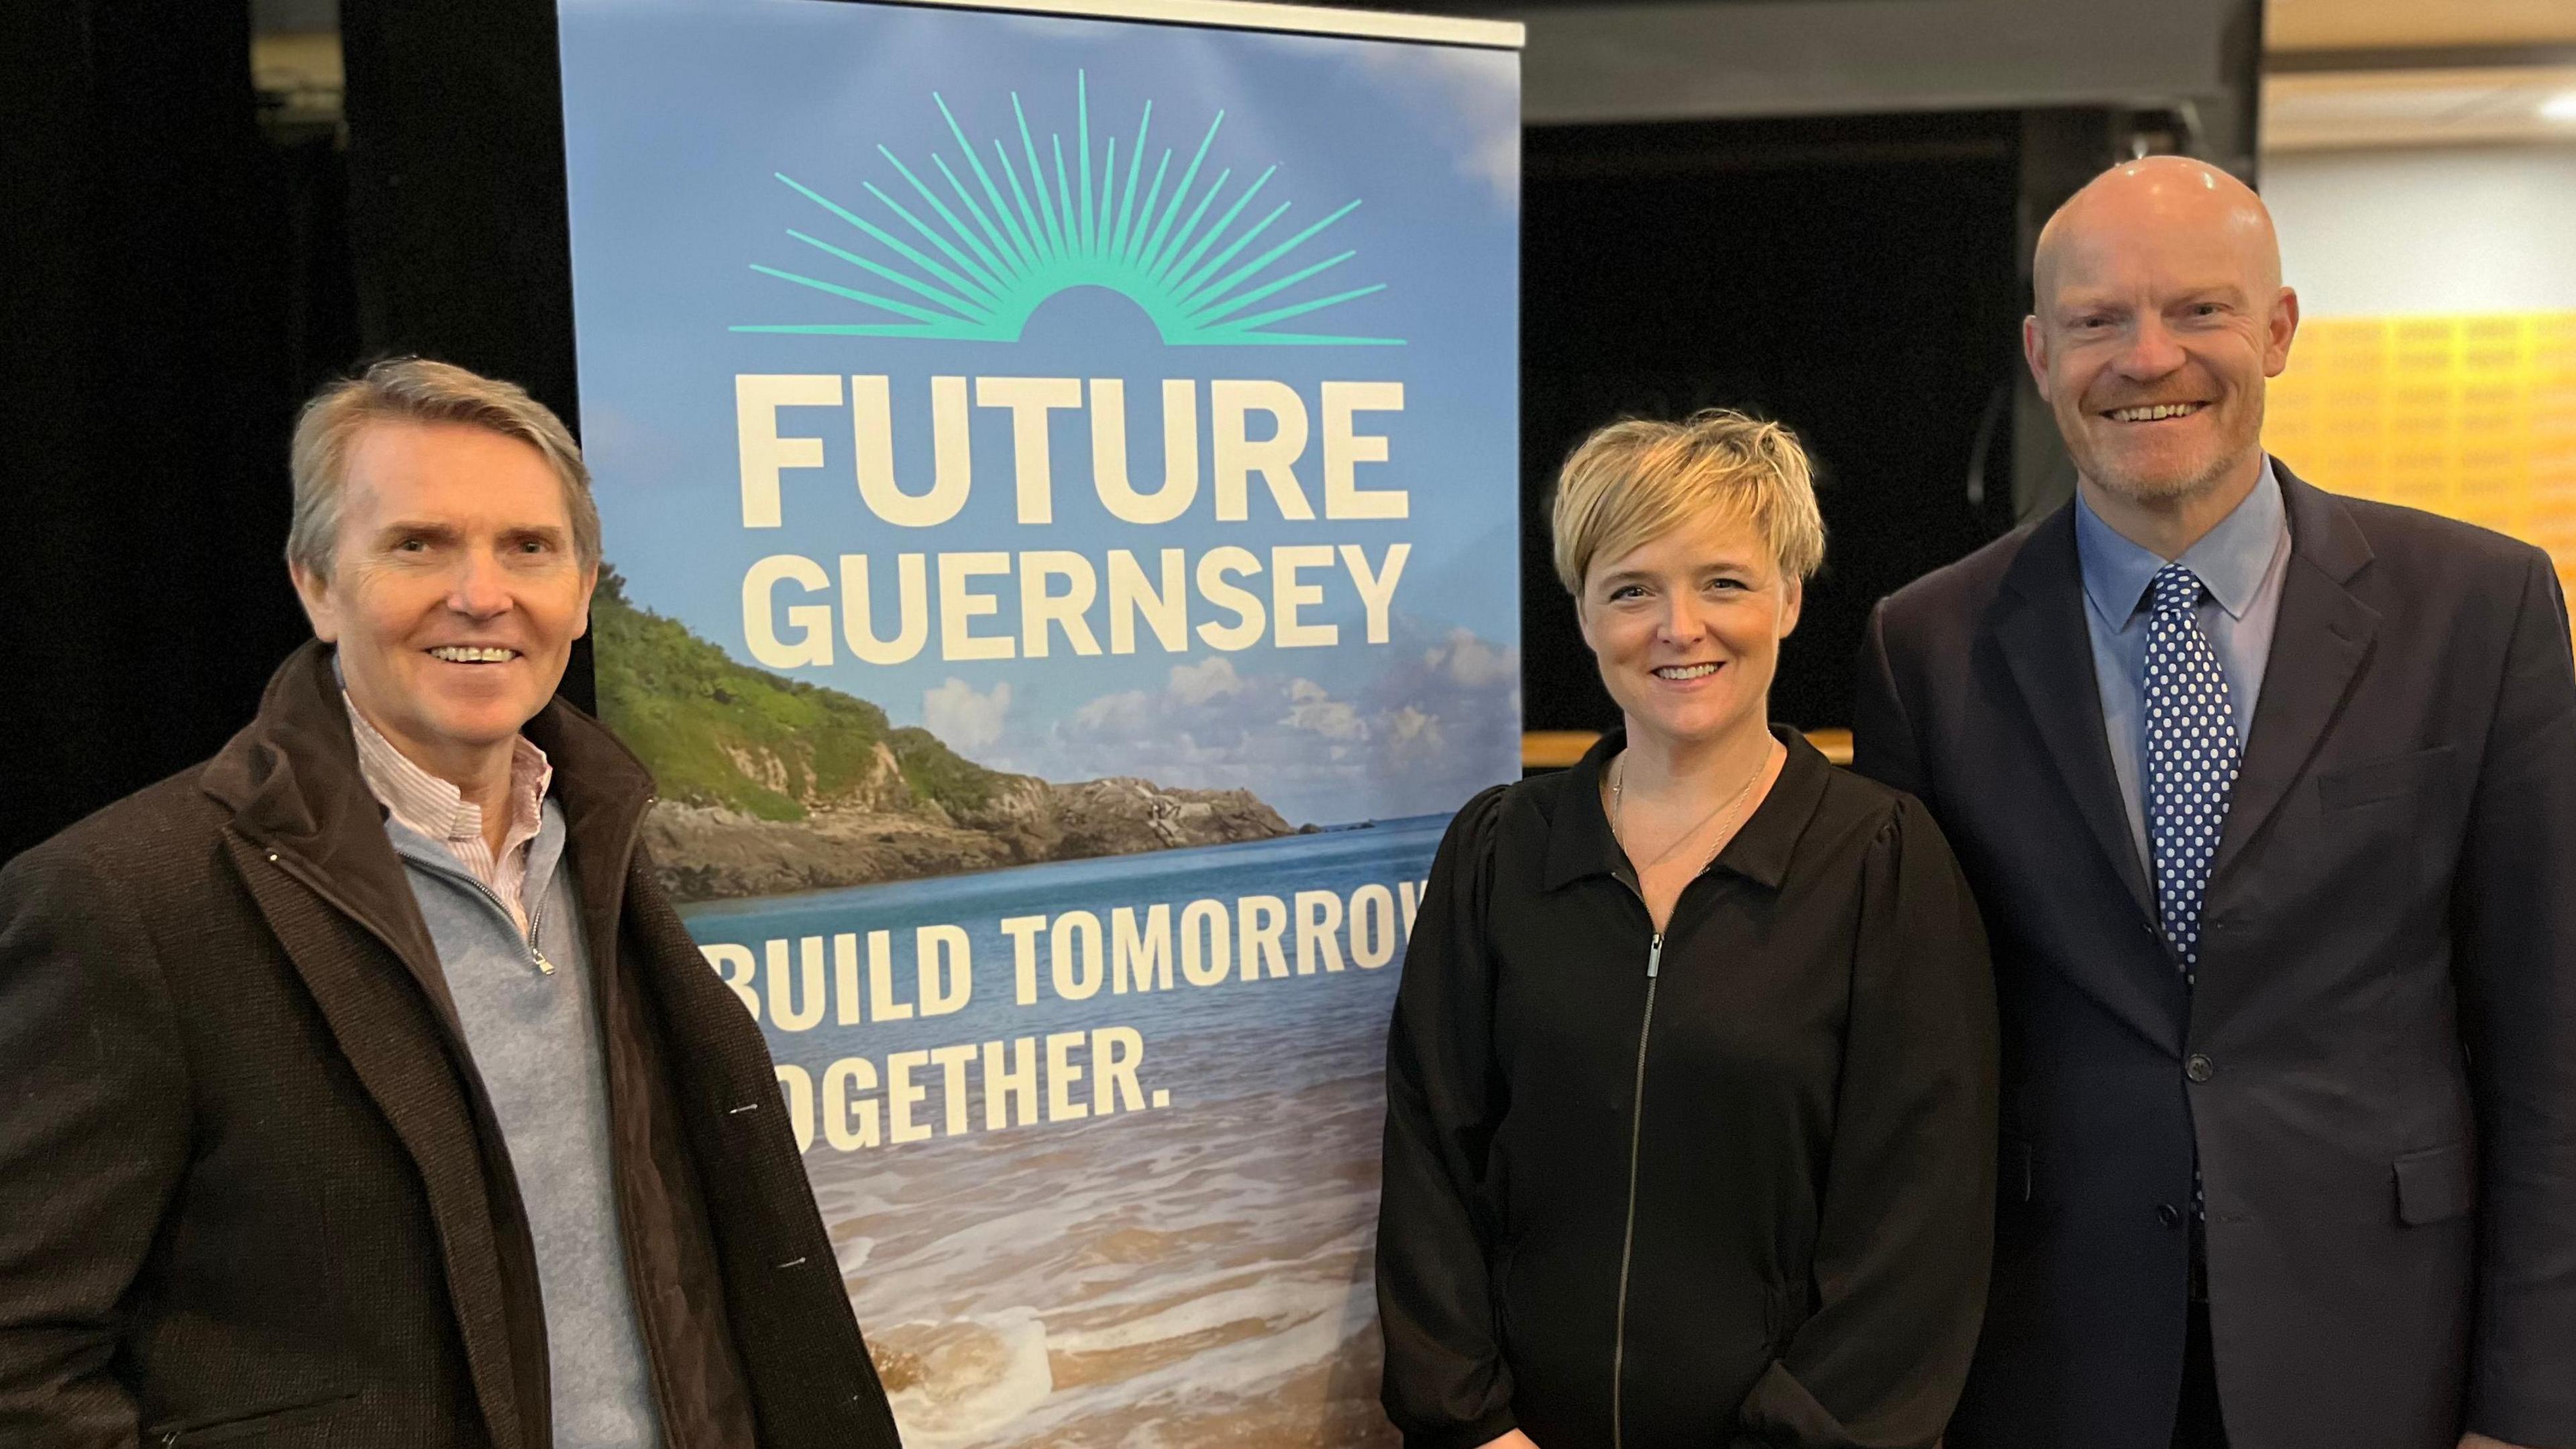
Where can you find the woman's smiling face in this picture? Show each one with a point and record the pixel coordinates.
(1687, 627)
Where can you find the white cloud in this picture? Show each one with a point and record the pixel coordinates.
(1472, 663)
(1405, 739)
(1312, 709)
(1409, 726)
(1117, 713)
(1213, 678)
(963, 719)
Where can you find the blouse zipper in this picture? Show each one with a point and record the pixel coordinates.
(1628, 1237)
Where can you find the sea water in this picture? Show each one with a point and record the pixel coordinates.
(1193, 1273)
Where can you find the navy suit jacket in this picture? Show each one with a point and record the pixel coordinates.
(2378, 1069)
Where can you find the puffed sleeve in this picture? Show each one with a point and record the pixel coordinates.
(1905, 1235)
(1446, 1385)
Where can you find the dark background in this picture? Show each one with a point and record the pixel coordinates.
(186, 257)
(1853, 278)
(183, 267)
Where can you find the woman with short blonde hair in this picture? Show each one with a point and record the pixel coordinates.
(1636, 480)
(1691, 1085)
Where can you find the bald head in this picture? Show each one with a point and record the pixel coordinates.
(2162, 193)
(2157, 316)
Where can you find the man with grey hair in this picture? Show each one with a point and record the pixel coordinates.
(2269, 799)
(360, 1086)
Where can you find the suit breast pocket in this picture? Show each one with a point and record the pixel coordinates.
(2411, 776)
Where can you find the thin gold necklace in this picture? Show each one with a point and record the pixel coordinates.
(1618, 799)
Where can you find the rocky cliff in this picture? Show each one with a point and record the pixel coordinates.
(709, 852)
(770, 785)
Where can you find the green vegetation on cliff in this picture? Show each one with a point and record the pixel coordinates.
(715, 732)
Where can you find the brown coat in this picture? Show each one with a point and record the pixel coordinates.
(251, 1191)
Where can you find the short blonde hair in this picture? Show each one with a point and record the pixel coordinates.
(1639, 479)
(417, 390)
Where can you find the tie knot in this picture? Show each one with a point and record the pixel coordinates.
(2176, 589)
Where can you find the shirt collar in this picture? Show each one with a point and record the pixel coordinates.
(2231, 559)
(1580, 842)
(428, 805)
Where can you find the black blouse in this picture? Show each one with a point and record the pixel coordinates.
(1729, 1185)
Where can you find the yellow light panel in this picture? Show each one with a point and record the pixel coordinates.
(2473, 417)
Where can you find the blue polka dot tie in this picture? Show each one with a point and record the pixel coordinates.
(2191, 758)
(2191, 771)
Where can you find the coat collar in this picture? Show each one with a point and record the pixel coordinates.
(291, 779)
(292, 782)
(1579, 842)
(305, 825)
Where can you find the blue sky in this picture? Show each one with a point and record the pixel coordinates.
(679, 114)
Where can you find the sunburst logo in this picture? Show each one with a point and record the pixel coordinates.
(984, 273)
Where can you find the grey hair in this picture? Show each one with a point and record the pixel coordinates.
(417, 390)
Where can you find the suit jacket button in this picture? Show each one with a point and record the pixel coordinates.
(2199, 1068)
(2169, 1215)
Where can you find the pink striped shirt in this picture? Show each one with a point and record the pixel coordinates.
(428, 805)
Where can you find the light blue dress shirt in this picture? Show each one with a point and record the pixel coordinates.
(2242, 562)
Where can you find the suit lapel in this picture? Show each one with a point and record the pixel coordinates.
(2321, 636)
(2040, 629)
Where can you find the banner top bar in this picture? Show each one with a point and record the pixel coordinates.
(1257, 15)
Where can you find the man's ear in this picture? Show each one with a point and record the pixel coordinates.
(2034, 352)
(314, 592)
(2283, 326)
(589, 588)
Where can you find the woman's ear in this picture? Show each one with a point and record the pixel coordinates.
(1793, 598)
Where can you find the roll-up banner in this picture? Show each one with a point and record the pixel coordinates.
(1060, 483)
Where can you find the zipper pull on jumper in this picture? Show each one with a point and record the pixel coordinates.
(537, 953)
(1655, 956)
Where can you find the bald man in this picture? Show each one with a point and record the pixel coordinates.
(2269, 797)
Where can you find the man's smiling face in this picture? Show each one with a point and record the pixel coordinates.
(455, 592)
(2160, 315)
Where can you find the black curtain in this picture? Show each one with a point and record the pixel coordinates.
(456, 178)
(179, 280)
(151, 364)
(457, 187)
(1853, 278)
